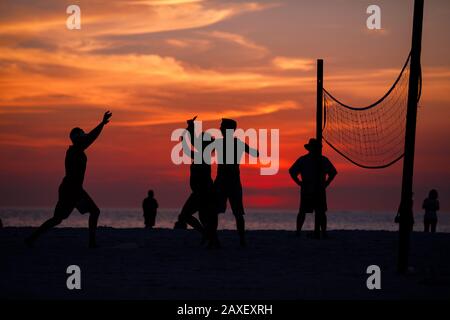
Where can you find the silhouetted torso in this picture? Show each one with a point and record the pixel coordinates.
(431, 206)
(230, 171)
(200, 173)
(150, 205)
(307, 167)
(75, 165)
(200, 178)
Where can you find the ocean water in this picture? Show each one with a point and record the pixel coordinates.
(255, 219)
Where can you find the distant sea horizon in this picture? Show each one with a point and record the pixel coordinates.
(256, 219)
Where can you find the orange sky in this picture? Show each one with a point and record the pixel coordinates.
(155, 63)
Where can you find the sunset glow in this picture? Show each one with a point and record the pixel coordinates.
(155, 64)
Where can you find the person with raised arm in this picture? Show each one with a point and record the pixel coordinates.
(202, 198)
(71, 194)
(227, 185)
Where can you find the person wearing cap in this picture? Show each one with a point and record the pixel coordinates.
(71, 194)
(313, 189)
(228, 186)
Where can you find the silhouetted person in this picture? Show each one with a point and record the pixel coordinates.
(313, 191)
(201, 199)
(150, 207)
(71, 192)
(1, 224)
(228, 181)
(431, 206)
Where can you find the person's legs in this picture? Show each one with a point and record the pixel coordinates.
(209, 219)
(240, 226)
(433, 226)
(152, 221)
(203, 215)
(317, 223)
(87, 205)
(320, 204)
(306, 206)
(426, 225)
(47, 225)
(323, 222)
(93, 220)
(147, 222)
(61, 212)
(186, 215)
(300, 221)
(208, 213)
(237, 207)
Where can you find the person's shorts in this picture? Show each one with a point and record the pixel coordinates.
(70, 198)
(313, 202)
(232, 192)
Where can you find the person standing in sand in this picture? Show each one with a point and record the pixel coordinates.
(201, 199)
(431, 206)
(150, 207)
(313, 192)
(71, 192)
(228, 184)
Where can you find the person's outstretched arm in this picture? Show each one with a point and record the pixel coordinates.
(94, 133)
(189, 150)
(251, 151)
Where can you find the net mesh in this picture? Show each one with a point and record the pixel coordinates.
(372, 136)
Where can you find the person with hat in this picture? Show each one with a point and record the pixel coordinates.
(316, 173)
(71, 194)
(227, 185)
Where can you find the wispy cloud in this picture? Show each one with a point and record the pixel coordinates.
(115, 17)
(286, 63)
(254, 110)
(239, 40)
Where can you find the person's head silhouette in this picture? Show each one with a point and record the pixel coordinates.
(77, 135)
(433, 194)
(313, 146)
(227, 124)
(150, 194)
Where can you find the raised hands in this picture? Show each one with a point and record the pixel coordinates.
(106, 117)
(190, 122)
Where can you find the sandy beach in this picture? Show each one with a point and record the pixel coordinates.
(171, 264)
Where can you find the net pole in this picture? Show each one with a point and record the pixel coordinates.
(406, 202)
(319, 121)
(319, 113)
